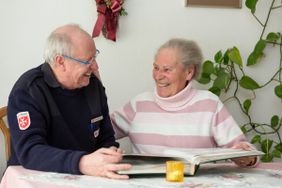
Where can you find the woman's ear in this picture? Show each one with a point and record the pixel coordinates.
(190, 73)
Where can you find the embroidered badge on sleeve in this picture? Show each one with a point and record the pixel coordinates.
(23, 120)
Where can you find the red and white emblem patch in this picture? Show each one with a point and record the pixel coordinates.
(23, 120)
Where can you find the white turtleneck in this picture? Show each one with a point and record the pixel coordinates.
(178, 101)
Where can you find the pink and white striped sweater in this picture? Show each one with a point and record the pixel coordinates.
(191, 119)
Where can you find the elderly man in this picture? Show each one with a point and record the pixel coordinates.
(58, 112)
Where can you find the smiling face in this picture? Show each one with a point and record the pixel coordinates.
(79, 74)
(70, 72)
(169, 73)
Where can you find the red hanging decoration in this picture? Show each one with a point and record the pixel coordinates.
(107, 21)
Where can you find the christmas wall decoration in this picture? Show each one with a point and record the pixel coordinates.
(108, 15)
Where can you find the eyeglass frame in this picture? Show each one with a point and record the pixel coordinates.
(83, 62)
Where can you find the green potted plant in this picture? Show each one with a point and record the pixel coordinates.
(227, 70)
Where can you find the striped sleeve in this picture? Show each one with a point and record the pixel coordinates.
(225, 130)
(122, 120)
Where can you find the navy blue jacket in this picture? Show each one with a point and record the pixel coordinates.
(51, 127)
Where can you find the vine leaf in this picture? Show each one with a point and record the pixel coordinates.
(276, 153)
(247, 103)
(226, 58)
(215, 90)
(243, 129)
(257, 53)
(251, 59)
(222, 80)
(218, 57)
(204, 79)
(207, 70)
(256, 139)
(279, 147)
(266, 145)
(208, 67)
(251, 4)
(234, 56)
(278, 91)
(248, 83)
(273, 37)
(260, 47)
(267, 158)
(274, 121)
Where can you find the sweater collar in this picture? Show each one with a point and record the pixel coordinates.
(176, 102)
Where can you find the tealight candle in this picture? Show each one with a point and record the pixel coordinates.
(175, 171)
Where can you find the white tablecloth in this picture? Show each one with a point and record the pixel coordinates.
(208, 176)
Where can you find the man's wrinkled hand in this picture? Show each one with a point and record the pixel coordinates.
(104, 163)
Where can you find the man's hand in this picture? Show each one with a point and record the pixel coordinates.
(103, 163)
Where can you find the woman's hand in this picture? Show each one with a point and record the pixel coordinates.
(244, 161)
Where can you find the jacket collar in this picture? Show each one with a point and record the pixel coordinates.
(49, 76)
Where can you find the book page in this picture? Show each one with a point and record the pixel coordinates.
(151, 164)
(197, 156)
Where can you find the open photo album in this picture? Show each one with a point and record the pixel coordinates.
(193, 158)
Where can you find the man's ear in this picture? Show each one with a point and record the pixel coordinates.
(190, 73)
(60, 62)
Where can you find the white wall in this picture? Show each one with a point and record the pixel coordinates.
(125, 66)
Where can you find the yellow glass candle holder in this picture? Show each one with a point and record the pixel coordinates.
(175, 171)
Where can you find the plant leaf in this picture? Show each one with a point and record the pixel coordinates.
(226, 58)
(259, 47)
(247, 103)
(204, 79)
(243, 129)
(278, 147)
(208, 67)
(248, 83)
(251, 4)
(266, 158)
(218, 57)
(274, 121)
(266, 145)
(256, 139)
(235, 56)
(278, 91)
(276, 153)
(252, 59)
(273, 37)
(215, 90)
(257, 53)
(222, 80)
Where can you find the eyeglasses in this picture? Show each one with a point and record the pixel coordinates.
(83, 62)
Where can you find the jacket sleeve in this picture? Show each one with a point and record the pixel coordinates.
(30, 145)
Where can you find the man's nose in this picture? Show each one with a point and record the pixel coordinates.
(95, 69)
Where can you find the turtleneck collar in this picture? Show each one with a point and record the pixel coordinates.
(178, 101)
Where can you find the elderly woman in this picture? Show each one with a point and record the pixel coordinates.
(176, 115)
